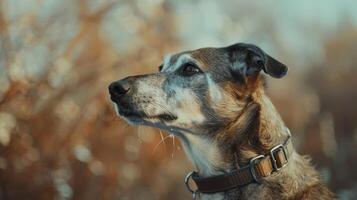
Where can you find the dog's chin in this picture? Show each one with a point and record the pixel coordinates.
(161, 121)
(141, 118)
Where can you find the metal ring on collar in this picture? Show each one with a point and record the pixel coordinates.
(187, 178)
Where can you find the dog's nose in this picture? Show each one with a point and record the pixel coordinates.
(118, 89)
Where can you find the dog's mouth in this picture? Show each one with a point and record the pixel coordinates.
(128, 111)
(141, 115)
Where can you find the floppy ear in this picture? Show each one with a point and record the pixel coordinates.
(249, 59)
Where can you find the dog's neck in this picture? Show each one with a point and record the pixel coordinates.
(214, 157)
(210, 154)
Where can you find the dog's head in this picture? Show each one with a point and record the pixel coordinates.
(205, 89)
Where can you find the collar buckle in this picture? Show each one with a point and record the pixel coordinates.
(274, 160)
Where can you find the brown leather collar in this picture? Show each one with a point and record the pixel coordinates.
(258, 167)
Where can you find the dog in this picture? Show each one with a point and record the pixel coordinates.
(214, 100)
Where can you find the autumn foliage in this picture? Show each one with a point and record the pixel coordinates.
(59, 135)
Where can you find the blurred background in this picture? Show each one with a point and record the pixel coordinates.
(60, 138)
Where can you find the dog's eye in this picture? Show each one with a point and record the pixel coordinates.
(160, 68)
(189, 69)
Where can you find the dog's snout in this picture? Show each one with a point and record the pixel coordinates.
(118, 89)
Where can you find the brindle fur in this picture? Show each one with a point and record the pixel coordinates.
(223, 118)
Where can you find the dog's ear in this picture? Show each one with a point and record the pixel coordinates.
(248, 59)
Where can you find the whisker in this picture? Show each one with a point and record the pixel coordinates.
(162, 141)
(174, 145)
(139, 130)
